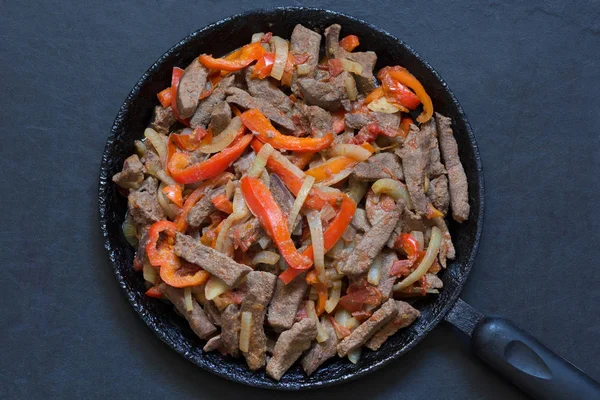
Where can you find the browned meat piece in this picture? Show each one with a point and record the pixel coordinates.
(321, 122)
(212, 312)
(151, 162)
(243, 164)
(389, 122)
(244, 100)
(190, 86)
(415, 157)
(459, 189)
(285, 303)
(213, 343)
(306, 42)
(246, 233)
(433, 281)
(260, 290)
(163, 119)
(209, 259)
(143, 203)
(289, 347)
(379, 166)
(328, 95)
(283, 197)
(371, 244)
(406, 316)
(438, 193)
(434, 166)
(132, 174)
(230, 329)
(386, 281)
(205, 108)
(360, 221)
(447, 248)
(266, 90)
(220, 118)
(376, 206)
(365, 82)
(363, 333)
(196, 318)
(201, 210)
(320, 352)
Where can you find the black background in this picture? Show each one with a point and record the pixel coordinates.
(527, 75)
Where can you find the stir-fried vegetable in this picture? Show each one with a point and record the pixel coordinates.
(393, 188)
(215, 287)
(316, 235)
(349, 43)
(281, 56)
(430, 256)
(245, 331)
(246, 56)
(406, 78)
(265, 257)
(299, 202)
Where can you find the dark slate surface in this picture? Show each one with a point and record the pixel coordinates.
(526, 75)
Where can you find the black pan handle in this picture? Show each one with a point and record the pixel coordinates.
(522, 358)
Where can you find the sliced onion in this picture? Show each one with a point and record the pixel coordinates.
(374, 275)
(426, 184)
(265, 257)
(352, 66)
(149, 273)
(322, 334)
(229, 189)
(354, 355)
(350, 150)
(336, 178)
(303, 69)
(341, 317)
(352, 323)
(420, 238)
(266, 178)
(264, 241)
(318, 242)
(257, 37)
(383, 106)
(337, 250)
(245, 330)
(351, 90)
(224, 139)
(140, 148)
(299, 202)
(334, 296)
(392, 188)
(260, 161)
(332, 275)
(130, 231)
(187, 297)
(159, 142)
(430, 256)
(281, 55)
(198, 293)
(170, 209)
(287, 164)
(240, 211)
(165, 178)
(357, 190)
(215, 287)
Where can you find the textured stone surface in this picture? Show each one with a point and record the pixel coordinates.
(523, 72)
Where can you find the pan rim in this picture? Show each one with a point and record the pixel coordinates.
(268, 383)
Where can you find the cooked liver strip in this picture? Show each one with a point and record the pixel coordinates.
(459, 189)
(245, 234)
(206, 106)
(162, 119)
(406, 316)
(260, 290)
(306, 41)
(132, 174)
(360, 221)
(363, 333)
(192, 83)
(328, 95)
(321, 122)
(320, 352)
(196, 318)
(220, 117)
(438, 193)
(289, 347)
(371, 244)
(285, 303)
(143, 203)
(386, 282)
(244, 100)
(379, 166)
(429, 133)
(230, 329)
(415, 156)
(213, 343)
(266, 90)
(209, 259)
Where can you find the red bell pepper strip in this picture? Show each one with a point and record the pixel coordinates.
(332, 234)
(405, 125)
(349, 43)
(264, 66)
(407, 243)
(374, 95)
(302, 158)
(222, 203)
(335, 67)
(249, 53)
(206, 169)
(359, 294)
(173, 193)
(154, 292)
(260, 201)
(255, 121)
(397, 91)
(404, 77)
(316, 199)
(161, 254)
(165, 97)
(175, 78)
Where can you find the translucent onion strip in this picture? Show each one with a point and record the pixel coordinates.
(351, 90)
(316, 233)
(260, 161)
(420, 238)
(374, 275)
(187, 297)
(215, 287)
(392, 188)
(130, 231)
(277, 156)
(245, 330)
(299, 202)
(256, 37)
(265, 257)
(281, 55)
(352, 66)
(240, 211)
(354, 355)
(430, 256)
(224, 139)
(383, 106)
(350, 150)
(334, 296)
(303, 69)
(149, 273)
(357, 189)
(159, 142)
(170, 209)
